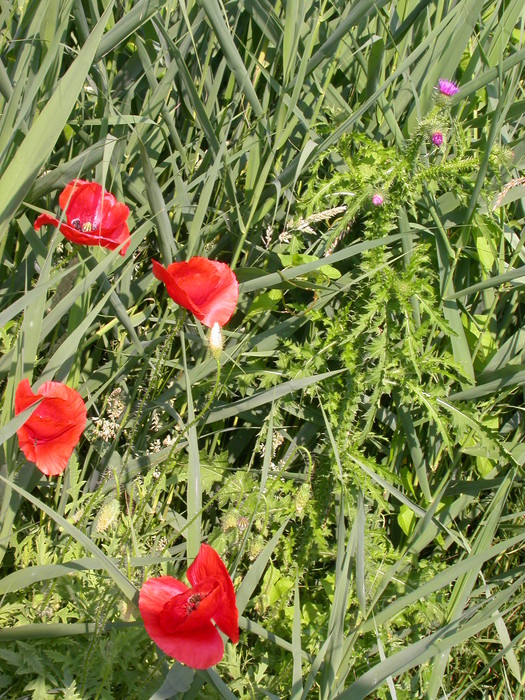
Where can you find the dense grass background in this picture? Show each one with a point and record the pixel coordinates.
(357, 458)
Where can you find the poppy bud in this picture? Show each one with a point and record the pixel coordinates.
(215, 340)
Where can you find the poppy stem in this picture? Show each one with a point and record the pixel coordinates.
(202, 413)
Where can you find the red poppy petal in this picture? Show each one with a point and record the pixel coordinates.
(50, 434)
(45, 219)
(24, 396)
(86, 237)
(98, 215)
(201, 648)
(178, 295)
(213, 288)
(58, 390)
(51, 458)
(114, 237)
(154, 594)
(208, 564)
(207, 288)
(202, 290)
(82, 200)
(227, 617)
(70, 232)
(219, 309)
(114, 213)
(197, 647)
(67, 193)
(72, 410)
(188, 611)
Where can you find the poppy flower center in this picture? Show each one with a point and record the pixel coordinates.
(85, 226)
(189, 609)
(193, 602)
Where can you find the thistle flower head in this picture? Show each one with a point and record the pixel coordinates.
(503, 156)
(447, 87)
(378, 200)
(437, 138)
(229, 520)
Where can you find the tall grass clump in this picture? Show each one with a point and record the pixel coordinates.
(348, 438)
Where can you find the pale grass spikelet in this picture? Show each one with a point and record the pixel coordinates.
(77, 515)
(168, 441)
(155, 446)
(162, 544)
(155, 422)
(107, 515)
(115, 404)
(509, 186)
(303, 225)
(285, 236)
(301, 499)
(105, 429)
(277, 441)
(267, 238)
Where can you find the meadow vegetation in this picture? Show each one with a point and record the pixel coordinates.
(355, 453)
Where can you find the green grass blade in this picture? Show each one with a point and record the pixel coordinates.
(256, 571)
(231, 52)
(194, 488)
(21, 172)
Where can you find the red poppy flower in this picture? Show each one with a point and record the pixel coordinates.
(207, 288)
(50, 434)
(179, 619)
(93, 216)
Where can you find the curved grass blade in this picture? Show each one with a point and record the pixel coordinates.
(42, 630)
(229, 48)
(267, 396)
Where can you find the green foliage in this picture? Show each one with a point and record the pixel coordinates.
(355, 455)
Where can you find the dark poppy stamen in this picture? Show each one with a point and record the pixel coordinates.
(76, 224)
(193, 602)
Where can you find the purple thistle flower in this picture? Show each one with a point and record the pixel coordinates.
(447, 87)
(437, 138)
(377, 200)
